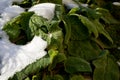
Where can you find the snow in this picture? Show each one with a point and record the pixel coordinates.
(8, 13)
(17, 1)
(72, 4)
(116, 3)
(14, 58)
(45, 10)
(118, 62)
(12, 11)
(4, 4)
(7, 3)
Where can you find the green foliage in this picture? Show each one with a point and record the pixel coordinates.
(78, 42)
(75, 64)
(18, 27)
(77, 77)
(87, 23)
(106, 68)
(84, 49)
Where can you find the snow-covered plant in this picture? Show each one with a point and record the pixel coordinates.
(9, 13)
(50, 42)
(14, 57)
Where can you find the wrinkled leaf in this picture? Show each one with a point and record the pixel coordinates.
(37, 25)
(75, 64)
(105, 68)
(32, 68)
(50, 31)
(18, 26)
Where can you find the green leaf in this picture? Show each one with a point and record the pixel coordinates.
(57, 35)
(85, 11)
(74, 11)
(35, 77)
(85, 49)
(27, 78)
(66, 28)
(48, 30)
(57, 59)
(87, 23)
(101, 30)
(77, 77)
(12, 29)
(75, 64)
(52, 53)
(37, 25)
(44, 1)
(106, 16)
(57, 77)
(18, 26)
(58, 12)
(105, 68)
(78, 30)
(32, 68)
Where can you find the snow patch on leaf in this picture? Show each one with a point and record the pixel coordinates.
(14, 57)
(45, 10)
(9, 13)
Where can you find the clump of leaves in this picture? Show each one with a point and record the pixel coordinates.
(77, 44)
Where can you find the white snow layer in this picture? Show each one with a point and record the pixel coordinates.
(118, 62)
(72, 4)
(116, 3)
(45, 10)
(14, 58)
(7, 3)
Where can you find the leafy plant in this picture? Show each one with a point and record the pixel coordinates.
(79, 43)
